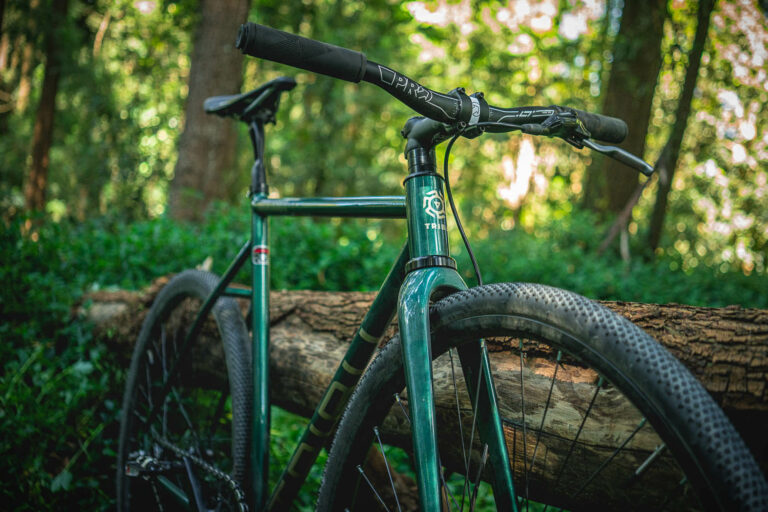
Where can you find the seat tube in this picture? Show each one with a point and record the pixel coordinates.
(430, 270)
(260, 357)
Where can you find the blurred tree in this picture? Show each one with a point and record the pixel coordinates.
(628, 96)
(26, 37)
(665, 166)
(205, 169)
(667, 160)
(2, 13)
(4, 47)
(717, 210)
(37, 180)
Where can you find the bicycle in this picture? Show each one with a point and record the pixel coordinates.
(587, 388)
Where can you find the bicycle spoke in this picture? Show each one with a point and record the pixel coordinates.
(386, 464)
(673, 493)
(479, 374)
(514, 444)
(147, 396)
(148, 392)
(606, 462)
(576, 437)
(165, 377)
(650, 460)
(483, 460)
(449, 493)
(141, 418)
(525, 444)
(194, 484)
(400, 403)
(546, 408)
(187, 420)
(217, 414)
(458, 415)
(360, 469)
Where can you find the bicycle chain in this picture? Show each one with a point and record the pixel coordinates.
(237, 491)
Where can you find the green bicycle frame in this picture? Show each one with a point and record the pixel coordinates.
(423, 272)
(358, 355)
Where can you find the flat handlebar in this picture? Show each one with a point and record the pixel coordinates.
(327, 59)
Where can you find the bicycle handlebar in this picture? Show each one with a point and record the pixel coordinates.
(300, 52)
(327, 59)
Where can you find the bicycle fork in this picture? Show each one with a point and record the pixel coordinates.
(431, 275)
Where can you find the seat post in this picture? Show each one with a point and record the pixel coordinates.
(258, 173)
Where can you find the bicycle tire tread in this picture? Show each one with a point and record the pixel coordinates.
(722, 460)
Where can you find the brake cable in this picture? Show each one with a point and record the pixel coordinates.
(461, 131)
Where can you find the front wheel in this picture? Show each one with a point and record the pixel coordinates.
(596, 415)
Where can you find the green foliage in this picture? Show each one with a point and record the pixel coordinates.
(58, 389)
(563, 254)
(718, 210)
(119, 104)
(120, 109)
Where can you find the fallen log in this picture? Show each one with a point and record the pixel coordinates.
(725, 348)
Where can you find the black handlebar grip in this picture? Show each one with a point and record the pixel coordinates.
(301, 52)
(605, 128)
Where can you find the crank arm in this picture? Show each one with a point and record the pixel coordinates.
(622, 156)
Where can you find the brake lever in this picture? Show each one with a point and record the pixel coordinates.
(568, 127)
(621, 155)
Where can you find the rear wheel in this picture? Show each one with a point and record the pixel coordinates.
(191, 442)
(596, 415)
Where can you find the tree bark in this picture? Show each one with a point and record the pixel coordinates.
(37, 181)
(725, 348)
(205, 168)
(27, 55)
(628, 96)
(2, 15)
(667, 163)
(5, 43)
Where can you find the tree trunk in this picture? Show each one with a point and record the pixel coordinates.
(205, 168)
(667, 163)
(25, 76)
(628, 96)
(37, 181)
(5, 43)
(26, 42)
(725, 348)
(2, 15)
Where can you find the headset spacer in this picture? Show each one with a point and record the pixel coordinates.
(430, 261)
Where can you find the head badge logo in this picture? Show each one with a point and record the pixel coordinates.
(433, 205)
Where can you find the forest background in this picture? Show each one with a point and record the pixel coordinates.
(111, 175)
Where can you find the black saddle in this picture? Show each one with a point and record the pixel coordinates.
(259, 104)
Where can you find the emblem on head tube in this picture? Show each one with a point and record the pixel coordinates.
(434, 205)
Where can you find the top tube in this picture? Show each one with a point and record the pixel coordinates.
(383, 207)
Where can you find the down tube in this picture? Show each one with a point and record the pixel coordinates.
(260, 358)
(363, 346)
